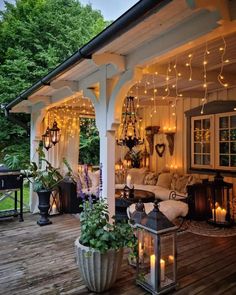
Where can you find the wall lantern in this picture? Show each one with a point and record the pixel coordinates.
(130, 134)
(156, 263)
(55, 133)
(47, 143)
(220, 200)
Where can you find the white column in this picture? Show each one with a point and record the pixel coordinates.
(107, 158)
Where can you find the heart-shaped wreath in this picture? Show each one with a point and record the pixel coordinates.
(160, 149)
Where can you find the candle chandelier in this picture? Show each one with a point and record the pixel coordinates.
(129, 136)
(51, 136)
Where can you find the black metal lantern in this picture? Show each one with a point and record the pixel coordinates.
(220, 202)
(47, 143)
(55, 133)
(130, 135)
(156, 264)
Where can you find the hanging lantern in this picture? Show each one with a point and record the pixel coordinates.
(130, 134)
(47, 143)
(156, 263)
(55, 133)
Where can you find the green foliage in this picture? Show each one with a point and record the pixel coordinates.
(89, 142)
(98, 233)
(43, 178)
(35, 36)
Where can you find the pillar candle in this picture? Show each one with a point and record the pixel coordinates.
(218, 214)
(162, 267)
(152, 269)
(223, 214)
(54, 209)
(140, 249)
(128, 180)
(213, 214)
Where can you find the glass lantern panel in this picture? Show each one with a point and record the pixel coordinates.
(146, 258)
(167, 260)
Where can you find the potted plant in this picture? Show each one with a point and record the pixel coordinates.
(99, 249)
(44, 178)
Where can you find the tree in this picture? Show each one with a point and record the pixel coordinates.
(35, 36)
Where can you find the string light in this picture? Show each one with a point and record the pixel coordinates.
(220, 77)
(204, 100)
(167, 88)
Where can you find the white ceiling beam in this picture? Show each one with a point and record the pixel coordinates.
(217, 66)
(39, 98)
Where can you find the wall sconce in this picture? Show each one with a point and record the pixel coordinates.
(150, 132)
(170, 137)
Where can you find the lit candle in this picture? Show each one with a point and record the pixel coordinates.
(171, 259)
(140, 252)
(54, 209)
(162, 267)
(152, 269)
(218, 214)
(213, 214)
(223, 214)
(128, 180)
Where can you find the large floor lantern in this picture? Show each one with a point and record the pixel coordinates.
(156, 263)
(220, 202)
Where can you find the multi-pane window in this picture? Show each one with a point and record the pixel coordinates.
(202, 141)
(213, 141)
(226, 141)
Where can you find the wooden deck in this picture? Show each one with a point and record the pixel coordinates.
(35, 260)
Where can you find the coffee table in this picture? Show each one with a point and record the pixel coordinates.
(122, 203)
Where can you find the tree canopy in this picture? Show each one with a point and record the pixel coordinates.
(36, 36)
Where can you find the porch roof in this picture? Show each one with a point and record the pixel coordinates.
(146, 21)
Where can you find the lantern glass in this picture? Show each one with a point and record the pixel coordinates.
(47, 143)
(55, 133)
(156, 268)
(220, 198)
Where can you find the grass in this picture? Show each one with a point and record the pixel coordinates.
(8, 203)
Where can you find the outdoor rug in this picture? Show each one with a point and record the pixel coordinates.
(203, 228)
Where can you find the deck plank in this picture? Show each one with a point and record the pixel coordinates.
(40, 260)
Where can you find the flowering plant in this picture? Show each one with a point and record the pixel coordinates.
(96, 230)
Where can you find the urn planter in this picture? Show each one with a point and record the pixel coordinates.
(98, 270)
(44, 205)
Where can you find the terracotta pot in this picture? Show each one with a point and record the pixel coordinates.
(98, 270)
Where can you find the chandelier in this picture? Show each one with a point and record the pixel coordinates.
(51, 136)
(129, 136)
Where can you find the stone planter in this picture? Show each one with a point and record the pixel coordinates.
(99, 271)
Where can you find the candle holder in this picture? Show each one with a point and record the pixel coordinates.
(220, 200)
(128, 192)
(156, 262)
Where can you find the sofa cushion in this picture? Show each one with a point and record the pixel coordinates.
(164, 180)
(137, 175)
(170, 208)
(150, 178)
(179, 182)
(94, 177)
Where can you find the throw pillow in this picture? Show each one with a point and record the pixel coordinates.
(150, 179)
(137, 175)
(119, 177)
(94, 177)
(83, 181)
(180, 182)
(164, 180)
